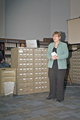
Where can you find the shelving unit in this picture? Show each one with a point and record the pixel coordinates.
(7, 45)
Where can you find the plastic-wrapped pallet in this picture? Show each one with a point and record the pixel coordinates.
(9, 88)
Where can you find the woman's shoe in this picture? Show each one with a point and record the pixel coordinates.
(48, 98)
(58, 100)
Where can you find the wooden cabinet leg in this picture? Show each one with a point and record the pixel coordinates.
(69, 80)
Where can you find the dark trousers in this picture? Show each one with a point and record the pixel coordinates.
(56, 77)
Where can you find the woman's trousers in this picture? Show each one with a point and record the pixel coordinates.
(56, 78)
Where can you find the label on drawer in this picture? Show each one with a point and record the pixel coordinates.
(8, 77)
(20, 59)
(20, 89)
(20, 51)
(8, 71)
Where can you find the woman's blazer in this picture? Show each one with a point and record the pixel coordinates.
(62, 52)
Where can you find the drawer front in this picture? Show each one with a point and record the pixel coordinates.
(40, 50)
(24, 70)
(40, 56)
(43, 69)
(25, 65)
(25, 60)
(24, 80)
(23, 75)
(41, 89)
(8, 79)
(7, 73)
(37, 79)
(25, 85)
(43, 65)
(23, 91)
(40, 74)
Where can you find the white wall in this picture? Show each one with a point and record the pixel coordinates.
(60, 12)
(28, 19)
(75, 8)
(36, 19)
(2, 18)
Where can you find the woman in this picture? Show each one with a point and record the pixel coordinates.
(57, 54)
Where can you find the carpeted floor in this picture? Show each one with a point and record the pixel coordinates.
(37, 107)
(67, 84)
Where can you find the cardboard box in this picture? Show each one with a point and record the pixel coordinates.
(7, 75)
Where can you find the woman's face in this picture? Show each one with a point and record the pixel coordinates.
(56, 38)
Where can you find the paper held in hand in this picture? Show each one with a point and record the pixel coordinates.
(54, 53)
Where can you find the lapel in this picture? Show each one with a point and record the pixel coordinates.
(52, 46)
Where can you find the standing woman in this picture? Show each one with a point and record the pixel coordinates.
(57, 64)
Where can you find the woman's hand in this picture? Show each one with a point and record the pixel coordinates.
(54, 57)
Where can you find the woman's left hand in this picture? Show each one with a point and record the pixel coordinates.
(54, 57)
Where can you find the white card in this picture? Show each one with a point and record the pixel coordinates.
(54, 53)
